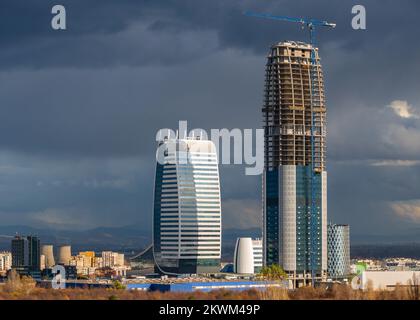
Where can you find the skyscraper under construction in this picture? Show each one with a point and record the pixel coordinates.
(295, 177)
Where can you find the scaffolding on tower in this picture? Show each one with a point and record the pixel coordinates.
(311, 25)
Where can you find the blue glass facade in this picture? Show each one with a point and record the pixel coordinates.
(274, 224)
(157, 208)
(304, 217)
(272, 216)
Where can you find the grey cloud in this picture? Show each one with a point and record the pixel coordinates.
(242, 214)
(79, 109)
(95, 26)
(117, 112)
(37, 190)
(364, 132)
(409, 209)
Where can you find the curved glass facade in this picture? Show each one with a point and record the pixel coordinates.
(187, 210)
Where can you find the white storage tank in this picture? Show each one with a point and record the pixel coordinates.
(47, 251)
(64, 255)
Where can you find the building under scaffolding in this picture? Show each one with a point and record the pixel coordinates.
(294, 117)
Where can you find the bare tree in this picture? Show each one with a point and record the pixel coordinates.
(414, 288)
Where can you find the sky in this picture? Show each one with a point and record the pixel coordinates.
(80, 108)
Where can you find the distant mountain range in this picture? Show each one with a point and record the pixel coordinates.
(129, 238)
(134, 238)
(381, 251)
(103, 238)
(408, 236)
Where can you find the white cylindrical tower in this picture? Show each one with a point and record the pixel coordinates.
(244, 256)
(47, 251)
(64, 255)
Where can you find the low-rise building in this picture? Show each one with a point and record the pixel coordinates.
(402, 264)
(98, 262)
(257, 245)
(5, 262)
(387, 280)
(88, 258)
(371, 264)
(112, 259)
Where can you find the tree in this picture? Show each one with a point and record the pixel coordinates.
(118, 285)
(273, 272)
(414, 288)
(17, 284)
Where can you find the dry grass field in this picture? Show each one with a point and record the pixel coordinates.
(25, 289)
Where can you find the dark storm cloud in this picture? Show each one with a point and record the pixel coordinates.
(79, 108)
(117, 112)
(28, 40)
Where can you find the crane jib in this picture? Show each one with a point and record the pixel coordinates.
(313, 22)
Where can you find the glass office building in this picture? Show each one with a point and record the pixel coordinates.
(26, 255)
(187, 209)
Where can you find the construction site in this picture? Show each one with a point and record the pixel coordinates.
(294, 106)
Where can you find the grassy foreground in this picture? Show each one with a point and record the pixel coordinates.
(25, 289)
